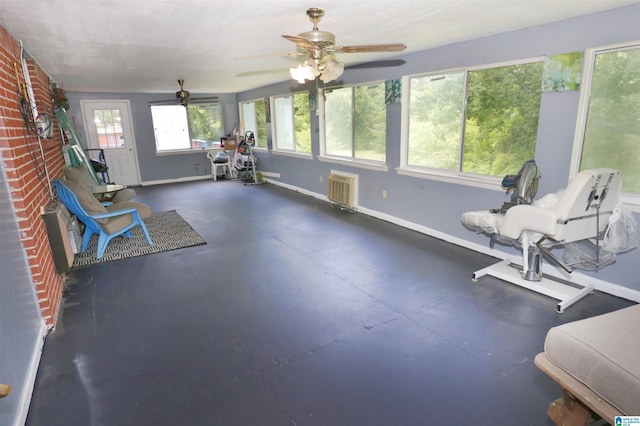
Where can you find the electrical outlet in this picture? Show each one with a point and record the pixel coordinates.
(197, 165)
(384, 193)
(320, 178)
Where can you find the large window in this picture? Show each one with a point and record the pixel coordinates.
(254, 118)
(610, 131)
(179, 128)
(480, 121)
(355, 123)
(291, 121)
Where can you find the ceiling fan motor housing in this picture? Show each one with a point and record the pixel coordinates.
(182, 94)
(321, 38)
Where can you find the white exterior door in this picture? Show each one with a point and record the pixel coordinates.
(108, 126)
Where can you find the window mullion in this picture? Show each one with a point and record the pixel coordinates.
(353, 122)
(463, 117)
(186, 111)
(293, 122)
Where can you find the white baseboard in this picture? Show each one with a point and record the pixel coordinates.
(269, 174)
(182, 179)
(203, 177)
(577, 277)
(296, 189)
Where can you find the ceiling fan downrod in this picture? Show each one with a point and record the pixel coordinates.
(315, 14)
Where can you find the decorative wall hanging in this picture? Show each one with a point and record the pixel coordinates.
(58, 96)
(313, 100)
(392, 91)
(562, 73)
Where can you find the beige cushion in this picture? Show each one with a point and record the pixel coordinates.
(81, 174)
(123, 195)
(78, 174)
(144, 211)
(86, 199)
(118, 222)
(603, 353)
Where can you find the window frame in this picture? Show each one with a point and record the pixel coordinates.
(631, 200)
(350, 161)
(189, 150)
(450, 176)
(274, 127)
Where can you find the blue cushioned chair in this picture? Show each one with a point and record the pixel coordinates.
(107, 222)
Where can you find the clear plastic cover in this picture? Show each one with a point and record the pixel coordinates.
(619, 237)
(621, 233)
(583, 255)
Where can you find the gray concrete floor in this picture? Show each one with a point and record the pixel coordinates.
(295, 313)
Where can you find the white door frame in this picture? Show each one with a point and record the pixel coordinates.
(125, 106)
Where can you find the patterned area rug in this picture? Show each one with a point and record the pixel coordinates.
(168, 231)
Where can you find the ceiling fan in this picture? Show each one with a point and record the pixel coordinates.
(321, 47)
(183, 97)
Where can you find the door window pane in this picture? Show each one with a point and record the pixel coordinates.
(109, 127)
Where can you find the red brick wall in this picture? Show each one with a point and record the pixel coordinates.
(29, 175)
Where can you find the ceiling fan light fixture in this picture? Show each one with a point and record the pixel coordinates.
(308, 70)
(328, 70)
(332, 70)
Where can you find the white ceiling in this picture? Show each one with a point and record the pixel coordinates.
(146, 45)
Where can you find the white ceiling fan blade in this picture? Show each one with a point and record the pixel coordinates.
(259, 72)
(392, 47)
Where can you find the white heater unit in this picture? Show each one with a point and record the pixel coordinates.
(341, 190)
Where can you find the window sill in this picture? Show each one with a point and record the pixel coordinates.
(181, 152)
(478, 181)
(631, 201)
(355, 163)
(302, 155)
